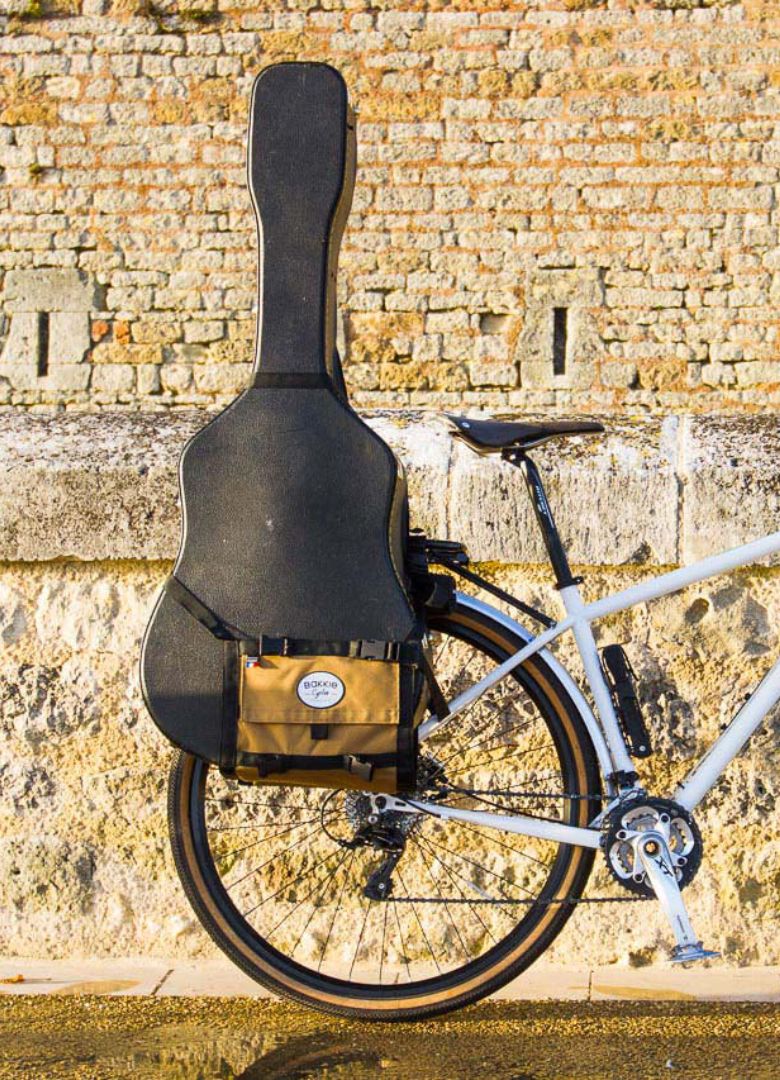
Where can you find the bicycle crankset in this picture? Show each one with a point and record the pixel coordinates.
(624, 827)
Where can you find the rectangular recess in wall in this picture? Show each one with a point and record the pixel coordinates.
(43, 343)
(559, 340)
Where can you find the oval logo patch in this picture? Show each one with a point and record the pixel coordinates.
(320, 690)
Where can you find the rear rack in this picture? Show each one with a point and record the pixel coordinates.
(452, 554)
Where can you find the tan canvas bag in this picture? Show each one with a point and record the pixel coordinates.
(329, 721)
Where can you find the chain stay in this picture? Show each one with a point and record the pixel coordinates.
(563, 902)
(450, 790)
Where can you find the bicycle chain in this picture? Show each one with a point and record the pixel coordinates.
(511, 794)
(565, 902)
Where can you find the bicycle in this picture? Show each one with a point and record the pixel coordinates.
(394, 908)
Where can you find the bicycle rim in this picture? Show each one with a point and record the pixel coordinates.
(268, 873)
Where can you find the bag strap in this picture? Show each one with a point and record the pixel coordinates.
(403, 652)
(230, 685)
(438, 700)
(362, 766)
(199, 611)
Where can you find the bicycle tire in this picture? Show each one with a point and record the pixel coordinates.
(518, 950)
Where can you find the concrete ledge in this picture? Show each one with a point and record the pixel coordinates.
(650, 491)
(542, 982)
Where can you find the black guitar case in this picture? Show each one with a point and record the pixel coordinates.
(294, 511)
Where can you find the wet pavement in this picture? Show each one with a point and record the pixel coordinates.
(53, 1036)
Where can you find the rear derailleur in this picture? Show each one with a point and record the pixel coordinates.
(385, 832)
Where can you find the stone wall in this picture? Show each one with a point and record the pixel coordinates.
(572, 205)
(89, 524)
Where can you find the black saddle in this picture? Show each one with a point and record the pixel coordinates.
(491, 436)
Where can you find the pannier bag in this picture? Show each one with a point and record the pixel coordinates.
(345, 721)
(287, 647)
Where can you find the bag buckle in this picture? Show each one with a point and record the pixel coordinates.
(267, 645)
(370, 649)
(356, 767)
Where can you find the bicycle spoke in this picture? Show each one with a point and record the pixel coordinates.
(523, 753)
(491, 900)
(519, 726)
(476, 726)
(247, 847)
(335, 913)
(484, 869)
(446, 905)
(258, 825)
(452, 876)
(404, 949)
(459, 743)
(319, 888)
(275, 804)
(502, 843)
(419, 923)
(308, 922)
(359, 940)
(274, 858)
(288, 884)
(382, 949)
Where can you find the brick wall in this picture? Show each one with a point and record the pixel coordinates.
(570, 205)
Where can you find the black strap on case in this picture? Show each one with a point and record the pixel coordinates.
(199, 611)
(438, 700)
(406, 741)
(230, 682)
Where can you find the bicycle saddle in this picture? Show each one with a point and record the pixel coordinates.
(490, 436)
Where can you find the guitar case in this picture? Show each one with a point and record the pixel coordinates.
(294, 511)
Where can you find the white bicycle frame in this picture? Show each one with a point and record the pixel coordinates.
(603, 726)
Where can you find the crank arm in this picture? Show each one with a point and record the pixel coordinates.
(657, 863)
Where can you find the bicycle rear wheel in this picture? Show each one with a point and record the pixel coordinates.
(272, 876)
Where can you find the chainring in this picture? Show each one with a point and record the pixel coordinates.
(643, 814)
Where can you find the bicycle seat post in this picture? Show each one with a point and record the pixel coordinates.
(544, 518)
(624, 775)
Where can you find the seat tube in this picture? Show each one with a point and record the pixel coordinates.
(594, 673)
(568, 586)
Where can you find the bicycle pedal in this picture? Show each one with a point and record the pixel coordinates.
(689, 954)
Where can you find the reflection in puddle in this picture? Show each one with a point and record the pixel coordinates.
(112, 1038)
(185, 1053)
(307, 1057)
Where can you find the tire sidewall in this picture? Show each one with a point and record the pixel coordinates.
(538, 929)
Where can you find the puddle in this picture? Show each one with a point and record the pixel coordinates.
(638, 993)
(106, 1038)
(98, 986)
(181, 1052)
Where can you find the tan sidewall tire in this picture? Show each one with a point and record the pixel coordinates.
(339, 998)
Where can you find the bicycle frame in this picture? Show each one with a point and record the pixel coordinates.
(603, 726)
